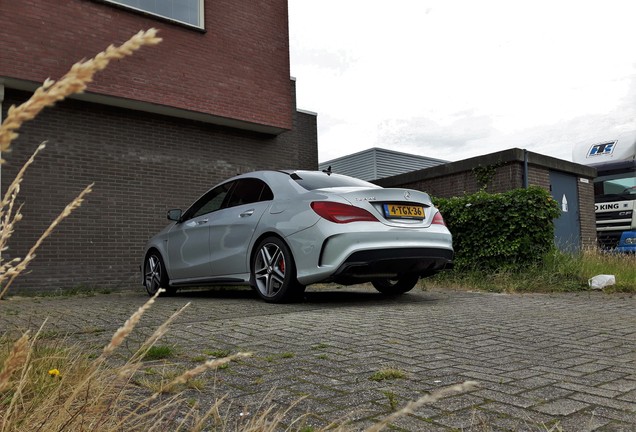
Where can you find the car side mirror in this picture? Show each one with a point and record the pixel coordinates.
(174, 215)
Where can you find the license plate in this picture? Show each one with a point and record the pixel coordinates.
(403, 211)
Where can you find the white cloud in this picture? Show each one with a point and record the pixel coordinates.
(467, 77)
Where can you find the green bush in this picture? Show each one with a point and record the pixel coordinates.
(500, 231)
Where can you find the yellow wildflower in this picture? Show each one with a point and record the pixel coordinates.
(54, 373)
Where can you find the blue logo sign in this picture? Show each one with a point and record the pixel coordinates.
(601, 149)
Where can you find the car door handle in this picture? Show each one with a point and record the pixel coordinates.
(247, 213)
(201, 222)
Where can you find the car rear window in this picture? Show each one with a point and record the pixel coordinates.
(311, 180)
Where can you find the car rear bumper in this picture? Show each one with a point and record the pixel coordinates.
(367, 265)
(348, 253)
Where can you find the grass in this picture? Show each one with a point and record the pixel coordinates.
(159, 381)
(160, 352)
(217, 353)
(273, 357)
(392, 398)
(558, 272)
(83, 290)
(320, 346)
(387, 374)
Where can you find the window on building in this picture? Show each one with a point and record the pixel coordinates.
(184, 11)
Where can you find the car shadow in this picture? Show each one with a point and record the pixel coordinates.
(339, 295)
(345, 296)
(216, 292)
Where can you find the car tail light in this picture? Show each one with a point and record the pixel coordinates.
(438, 219)
(341, 213)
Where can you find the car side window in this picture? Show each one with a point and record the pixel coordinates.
(248, 191)
(211, 201)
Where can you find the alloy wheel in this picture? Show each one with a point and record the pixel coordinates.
(153, 274)
(269, 270)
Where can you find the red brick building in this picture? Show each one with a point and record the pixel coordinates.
(153, 131)
(516, 168)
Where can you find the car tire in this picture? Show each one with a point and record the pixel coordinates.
(155, 275)
(396, 286)
(274, 272)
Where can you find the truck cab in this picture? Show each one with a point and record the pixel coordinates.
(614, 188)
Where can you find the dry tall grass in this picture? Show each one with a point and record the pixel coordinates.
(74, 81)
(49, 386)
(557, 272)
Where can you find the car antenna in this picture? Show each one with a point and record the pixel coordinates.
(327, 171)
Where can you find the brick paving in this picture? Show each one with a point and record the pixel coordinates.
(543, 361)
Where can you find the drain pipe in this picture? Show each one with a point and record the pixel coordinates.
(525, 169)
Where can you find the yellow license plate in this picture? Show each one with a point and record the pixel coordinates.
(403, 211)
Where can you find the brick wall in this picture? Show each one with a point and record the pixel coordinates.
(238, 68)
(142, 164)
(458, 178)
(539, 176)
(305, 129)
(506, 177)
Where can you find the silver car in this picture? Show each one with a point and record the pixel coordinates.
(280, 231)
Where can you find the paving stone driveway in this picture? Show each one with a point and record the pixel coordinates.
(544, 362)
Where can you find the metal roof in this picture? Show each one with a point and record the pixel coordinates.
(376, 163)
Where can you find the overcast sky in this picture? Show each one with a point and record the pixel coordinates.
(455, 79)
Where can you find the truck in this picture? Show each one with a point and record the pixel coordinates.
(614, 188)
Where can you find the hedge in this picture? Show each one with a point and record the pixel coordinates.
(507, 230)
